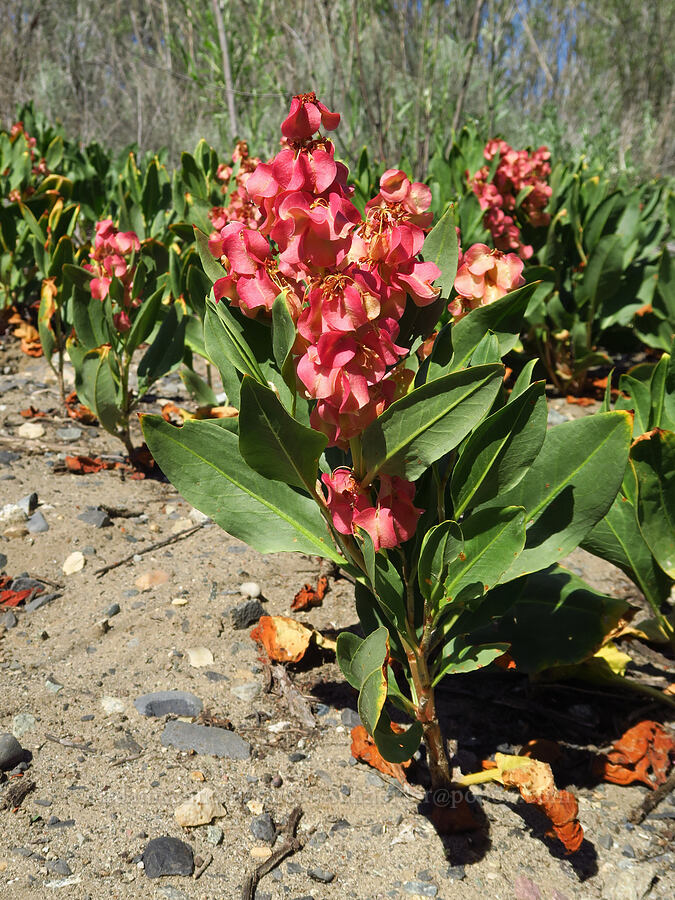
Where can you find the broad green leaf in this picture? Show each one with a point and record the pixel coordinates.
(603, 272)
(493, 539)
(523, 380)
(639, 401)
(500, 450)
(166, 350)
(372, 697)
(204, 463)
(570, 486)
(428, 422)
(144, 321)
(487, 351)
(210, 265)
(441, 247)
(225, 336)
(385, 583)
(89, 320)
(653, 461)
(504, 318)
(617, 539)
(275, 444)
(441, 547)
(218, 347)
(459, 657)
(393, 746)
(201, 392)
(283, 338)
(557, 620)
(104, 392)
(358, 657)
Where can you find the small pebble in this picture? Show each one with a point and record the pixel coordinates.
(250, 589)
(263, 828)
(322, 875)
(214, 835)
(37, 524)
(246, 613)
(11, 752)
(606, 841)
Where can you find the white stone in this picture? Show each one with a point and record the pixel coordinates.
(73, 563)
(250, 589)
(112, 705)
(198, 517)
(31, 430)
(199, 657)
(200, 809)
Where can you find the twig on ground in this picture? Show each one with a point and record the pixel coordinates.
(16, 793)
(53, 584)
(66, 743)
(204, 866)
(126, 759)
(291, 845)
(119, 512)
(652, 800)
(157, 546)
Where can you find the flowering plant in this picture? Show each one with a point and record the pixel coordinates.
(435, 489)
(116, 306)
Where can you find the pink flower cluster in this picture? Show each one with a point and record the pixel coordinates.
(346, 278)
(390, 522)
(112, 256)
(240, 208)
(516, 170)
(483, 276)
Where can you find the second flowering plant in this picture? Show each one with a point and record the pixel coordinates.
(438, 491)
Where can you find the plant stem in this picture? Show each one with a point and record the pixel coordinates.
(439, 764)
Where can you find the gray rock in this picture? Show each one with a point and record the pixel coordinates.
(456, 873)
(28, 503)
(172, 893)
(525, 889)
(11, 752)
(22, 723)
(3, 561)
(606, 841)
(628, 851)
(350, 718)
(556, 418)
(166, 703)
(7, 457)
(421, 888)
(168, 856)
(24, 583)
(37, 524)
(111, 611)
(9, 620)
(246, 613)
(247, 691)
(59, 867)
(214, 835)
(322, 875)
(40, 601)
(99, 518)
(202, 739)
(215, 676)
(69, 434)
(263, 828)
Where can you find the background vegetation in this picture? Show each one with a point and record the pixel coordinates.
(591, 76)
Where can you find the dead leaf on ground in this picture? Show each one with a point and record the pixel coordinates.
(77, 410)
(284, 639)
(307, 596)
(641, 754)
(10, 598)
(365, 750)
(534, 780)
(580, 401)
(32, 412)
(87, 465)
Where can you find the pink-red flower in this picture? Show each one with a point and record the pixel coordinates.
(306, 116)
(484, 276)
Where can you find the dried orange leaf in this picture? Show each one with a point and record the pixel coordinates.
(534, 780)
(284, 639)
(307, 596)
(641, 754)
(364, 749)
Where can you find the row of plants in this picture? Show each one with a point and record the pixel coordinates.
(363, 352)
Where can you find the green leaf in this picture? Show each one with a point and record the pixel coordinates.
(144, 321)
(523, 380)
(570, 486)
(493, 539)
(358, 657)
(372, 697)
(61, 255)
(48, 308)
(204, 463)
(197, 388)
(653, 461)
(275, 444)
(458, 657)
(603, 272)
(617, 538)
(557, 620)
(441, 247)
(166, 350)
(104, 392)
(487, 351)
(504, 318)
(211, 266)
(79, 276)
(283, 338)
(441, 546)
(428, 422)
(225, 337)
(393, 746)
(500, 450)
